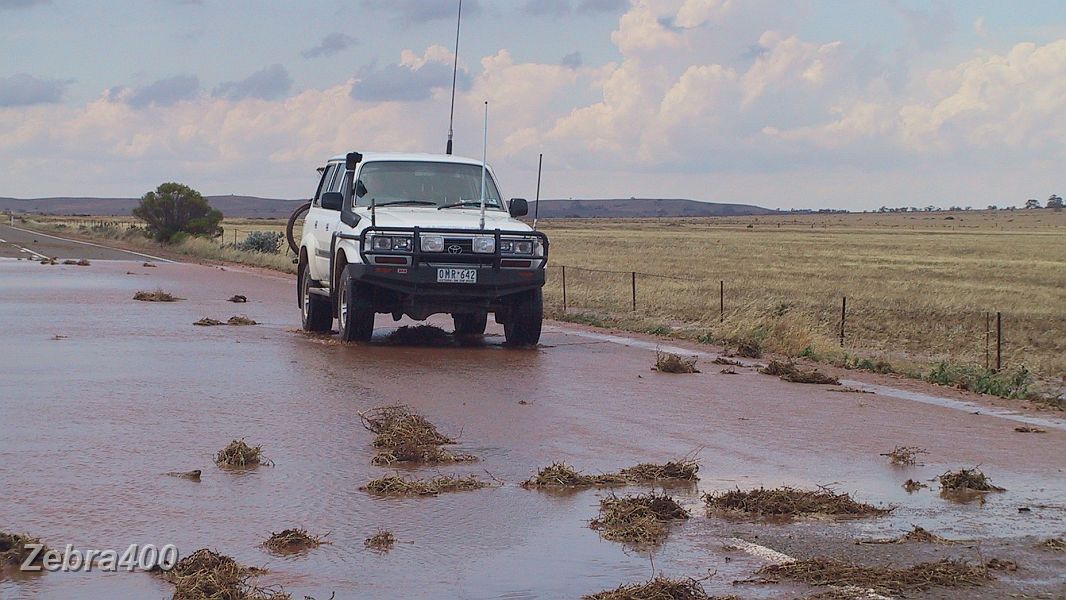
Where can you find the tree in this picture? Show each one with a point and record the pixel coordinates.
(1032, 203)
(1054, 202)
(176, 208)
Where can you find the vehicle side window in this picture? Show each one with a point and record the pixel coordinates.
(338, 178)
(323, 185)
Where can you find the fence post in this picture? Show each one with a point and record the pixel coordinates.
(988, 334)
(564, 288)
(634, 276)
(843, 318)
(999, 340)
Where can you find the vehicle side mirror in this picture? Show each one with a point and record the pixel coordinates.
(332, 200)
(518, 207)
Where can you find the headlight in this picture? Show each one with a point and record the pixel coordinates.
(484, 245)
(433, 243)
(381, 242)
(401, 243)
(385, 243)
(506, 246)
(523, 247)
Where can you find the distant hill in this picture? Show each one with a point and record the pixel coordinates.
(643, 207)
(231, 206)
(275, 208)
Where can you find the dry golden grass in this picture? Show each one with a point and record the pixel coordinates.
(917, 285)
(789, 502)
(922, 576)
(13, 550)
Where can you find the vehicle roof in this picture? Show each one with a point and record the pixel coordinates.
(420, 157)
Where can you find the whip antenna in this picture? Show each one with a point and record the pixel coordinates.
(484, 155)
(536, 210)
(455, 70)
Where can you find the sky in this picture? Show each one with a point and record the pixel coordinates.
(849, 104)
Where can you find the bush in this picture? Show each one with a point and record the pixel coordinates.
(175, 208)
(1012, 383)
(267, 242)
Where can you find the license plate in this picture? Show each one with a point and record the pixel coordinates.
(456, 275)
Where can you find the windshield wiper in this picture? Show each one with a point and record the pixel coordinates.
(430, 202)
(467, 203)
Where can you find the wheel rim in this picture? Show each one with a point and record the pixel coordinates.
(306, 295)
(343, 308)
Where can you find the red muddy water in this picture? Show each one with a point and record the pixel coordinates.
(91, 422)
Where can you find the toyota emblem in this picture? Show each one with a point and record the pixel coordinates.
(455, 249)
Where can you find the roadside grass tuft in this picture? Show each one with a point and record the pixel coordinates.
(967, 480)
(904, 455)
(668, 362)
(394, 485)
(922, 576)
(292, 541)
(790, 502)
(13, 549)
(239, 455)
(639, 520)
(659, 588)
(382, 541)
(208, 575)
(157, 295)
(749, 348)
(1008, 383)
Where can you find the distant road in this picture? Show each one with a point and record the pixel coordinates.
(16, 242)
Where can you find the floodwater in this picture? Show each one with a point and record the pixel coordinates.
(91, 422)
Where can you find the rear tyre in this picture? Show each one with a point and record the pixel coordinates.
(527, 316)
(470, 323)
(317, 311)
(355, 310)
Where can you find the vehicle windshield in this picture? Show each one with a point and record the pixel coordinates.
(430, 183)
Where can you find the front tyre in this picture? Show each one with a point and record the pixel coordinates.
(470, 323)
(317, 311)
(355, 309)
(527, 316)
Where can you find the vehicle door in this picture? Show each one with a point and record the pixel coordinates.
(318, 219)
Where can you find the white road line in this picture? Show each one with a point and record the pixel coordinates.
(56, 237)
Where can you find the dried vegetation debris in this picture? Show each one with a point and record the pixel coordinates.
(668, 362)
(208, 575)
(790, 502)
(916, 534)
(1029, 429)
(790, 372)
(560, 475)
(240, 455)
(967, 480)
(402, 436)
(905, 455)
(208, 322)
(157, 295)
(240, 320)
(658, 588)
(193, 475)
(396, 485)
(640, 520)
(382, 541)
(922, 576)
(13, 549)
(292, 541)
(238, 298)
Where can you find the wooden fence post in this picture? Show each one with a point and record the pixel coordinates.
(988, 334)
(564, 288)
(999, 340)
(721, 301)
(843, 318)
(634, 276)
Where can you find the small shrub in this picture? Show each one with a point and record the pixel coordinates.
(267, 242)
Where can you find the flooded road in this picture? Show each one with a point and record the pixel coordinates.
(100, 396)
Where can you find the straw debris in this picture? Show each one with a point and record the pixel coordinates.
(637, 520)
(148, 264)
(1029, 429)
(905, 455)
(13, 549)
(238, 298)
(240, 320)
(922, 576)
(382, 541)
(403, 436)
(1054, 544)
(786, 501)
(208, 322)
(676, 470)
(913, 486)
(967, 480)
(157, 295)
(721, 360)
(208, 575)
(917, 534)
(790, 372)
(420, 335)
(394, 485)
(659, 588)
(560, 474)
(292, 541)
(193, 475)
(668, 362)
(433, 455)
(48, 261)
(240, 455)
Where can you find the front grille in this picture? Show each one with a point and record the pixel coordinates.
(466, 245)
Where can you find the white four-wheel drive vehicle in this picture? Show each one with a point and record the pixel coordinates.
(408, 234)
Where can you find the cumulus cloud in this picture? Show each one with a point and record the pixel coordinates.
(414, 78)
(561, 8)
(409, 12)
(270, 83)
(330, 45)
(163, 92)
(572, 60)
(26, 90)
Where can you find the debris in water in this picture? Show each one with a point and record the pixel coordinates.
(851, 390)
(659, 588)
(786, 501)
(238, 298)
(1029, 429)
(208, 322)
(967, 479)
(638, 520)
(922, 576)
(148, 264)
(208, 575)
(382, 541)
(420, 335)
(48, 261)
(403, 436)
(1054, 544)
(677, 470)
(905, 455)
(913, 486)
(560, 474)
(999, 564)
(292, 541)
(193, 475)
(419, 454)
(789, 372)
(155, 296)
(721, 360)
(394, 485)
(13, 550)
(240, 320)
(728, 371)
(240, 455)
(58, 337)
(917, 534)
(668, 362)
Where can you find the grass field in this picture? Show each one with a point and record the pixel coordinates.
(919, 286)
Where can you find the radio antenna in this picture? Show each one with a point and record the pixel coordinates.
(484, 156)
(536, 211)
(455, 70)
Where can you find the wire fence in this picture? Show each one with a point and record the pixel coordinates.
(994, 339)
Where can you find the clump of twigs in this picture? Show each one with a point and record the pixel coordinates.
(193, 475)
(790, 372)
(403, 436)
(675, 470)
(420, 335)
(721, 360)
(13, 550)
(913, 486)
(240, 320)
(659, 588)
(1054, 544)
(640, 520)
(208, 575)
(157, 295)
(668, 362)
(851, 390)
(394, 485)
(382, 541)
(750, 348)
(922, 576)
(917, 534)
(904, 455)
(208, 322)
(240, 455)
(790, 502)
(560, 474)
(967, 480)
(148, 264)
(238, 298)
(292, 541)
(1029, 429)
